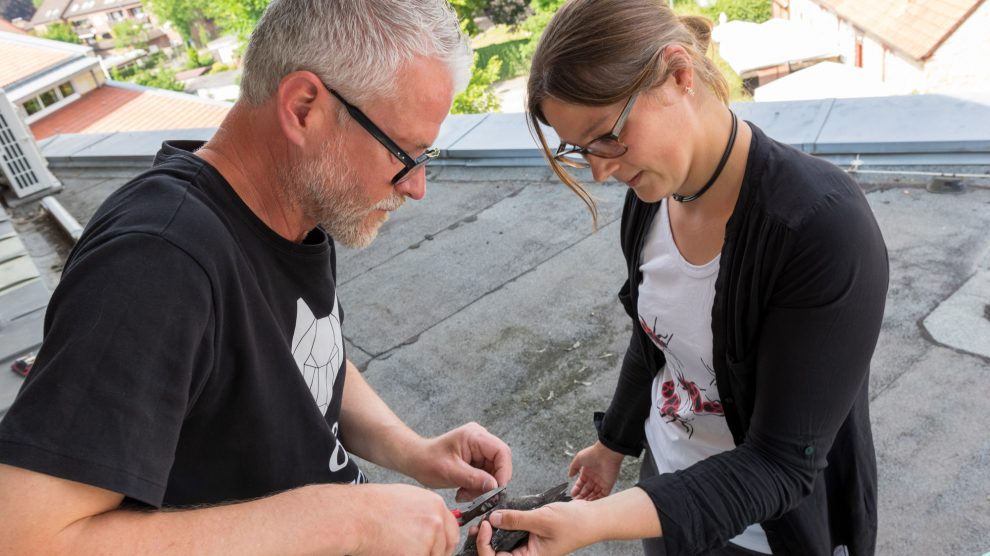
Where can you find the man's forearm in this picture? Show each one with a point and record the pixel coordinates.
(307, 520)
(372, 431)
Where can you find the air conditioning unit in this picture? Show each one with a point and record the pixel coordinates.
(25, 169)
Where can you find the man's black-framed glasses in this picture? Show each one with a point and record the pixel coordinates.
(605, 146)
(409, 163)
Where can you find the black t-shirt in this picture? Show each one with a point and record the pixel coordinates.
(191, 354)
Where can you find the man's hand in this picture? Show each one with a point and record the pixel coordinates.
(468, 457)
(404, 519)
(599, 468)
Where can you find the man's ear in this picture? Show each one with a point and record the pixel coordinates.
(299, 108)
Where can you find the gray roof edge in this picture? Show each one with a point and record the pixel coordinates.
(109, 149)
(504, 139)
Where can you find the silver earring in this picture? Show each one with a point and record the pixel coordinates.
(689, 90)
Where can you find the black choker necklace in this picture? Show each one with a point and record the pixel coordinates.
(718, 169)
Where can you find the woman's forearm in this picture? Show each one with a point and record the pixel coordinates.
(626, 515)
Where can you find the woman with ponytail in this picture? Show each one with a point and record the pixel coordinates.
(756, 282)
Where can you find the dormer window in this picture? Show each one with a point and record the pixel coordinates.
(48, 98)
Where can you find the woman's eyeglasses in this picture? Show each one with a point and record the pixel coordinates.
(605, 146)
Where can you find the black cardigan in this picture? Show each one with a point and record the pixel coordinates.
(799, 301)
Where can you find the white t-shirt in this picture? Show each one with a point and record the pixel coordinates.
(686, 422)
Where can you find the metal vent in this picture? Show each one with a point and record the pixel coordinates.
(23, 165)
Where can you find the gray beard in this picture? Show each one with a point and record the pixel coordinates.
(330, 194)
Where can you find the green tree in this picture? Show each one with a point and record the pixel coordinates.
(129, 33)
(756, 11)
(183, 14)
(61, 31)
(161, 79)
(479, 96)
(467, 10)
(236, 16)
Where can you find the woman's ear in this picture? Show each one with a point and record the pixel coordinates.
(682, 70)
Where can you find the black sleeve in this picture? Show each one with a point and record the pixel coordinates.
(812, 362)
(622, 427)
(128, 342)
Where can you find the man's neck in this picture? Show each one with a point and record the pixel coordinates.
(249, 166)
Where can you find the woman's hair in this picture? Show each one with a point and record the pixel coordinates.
(600, 52)
(355, 46)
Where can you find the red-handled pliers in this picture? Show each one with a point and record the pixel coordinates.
(479, 506)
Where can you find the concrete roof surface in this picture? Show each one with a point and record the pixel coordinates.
(493, 301)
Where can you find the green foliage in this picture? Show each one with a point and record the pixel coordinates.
(195, 60)
(233, 16)
(479, 96)
(60, 31)
(129, 33)
(547, 6)
(466, 11)
(512, 60)
(161, 79)
(219, 68)
(756, 11)
(183, 14)
(150, 72)
(192, 57)
(236, 16)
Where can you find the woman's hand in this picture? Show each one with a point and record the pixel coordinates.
(563, 527)
(599, 469)
(558, 528)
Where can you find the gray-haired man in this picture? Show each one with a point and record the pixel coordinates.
(193, 354)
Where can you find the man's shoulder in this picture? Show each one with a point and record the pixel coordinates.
(170, 200)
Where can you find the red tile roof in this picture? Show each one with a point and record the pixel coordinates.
(916, 27)
(10, 27)
(111, 108)
(22, 60)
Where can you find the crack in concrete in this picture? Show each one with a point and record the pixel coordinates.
(432, 236)
(413, 339)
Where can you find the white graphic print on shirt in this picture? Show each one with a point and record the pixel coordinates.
(682, 399)
(318, 348)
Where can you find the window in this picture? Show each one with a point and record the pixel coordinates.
(48, 98)
(33, 105)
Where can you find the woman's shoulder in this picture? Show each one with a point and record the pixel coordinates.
(790, 186)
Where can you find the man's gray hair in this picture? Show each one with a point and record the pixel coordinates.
(355, 46)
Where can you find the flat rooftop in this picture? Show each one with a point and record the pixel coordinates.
(492, 300)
